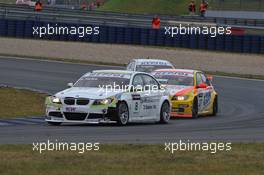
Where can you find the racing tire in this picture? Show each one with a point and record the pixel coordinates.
(54, 123)
(195, 109)
(215, 107)
(122, 114)
(165, 113)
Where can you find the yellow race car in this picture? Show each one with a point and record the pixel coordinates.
(191, 92)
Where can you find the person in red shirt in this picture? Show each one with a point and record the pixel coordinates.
(156, 22)
(38, 6)
(203, 8)
(192, 8)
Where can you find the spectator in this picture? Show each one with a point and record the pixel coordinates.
(203, 7)
(99, 3)
(38, 6)
(156, 22)
(84, 5)
(91, 5)
(192, 8)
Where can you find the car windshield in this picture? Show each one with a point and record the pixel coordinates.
(174, 78)
(104, 81)
(151, 68)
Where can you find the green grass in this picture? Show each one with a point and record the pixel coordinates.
(8, 1)
(18, 103)
(170, 7)
(177, 7)
(243, 159)
(250, 5)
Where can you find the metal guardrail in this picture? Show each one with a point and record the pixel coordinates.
(112, 18)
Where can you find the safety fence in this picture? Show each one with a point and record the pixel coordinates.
(138, 36)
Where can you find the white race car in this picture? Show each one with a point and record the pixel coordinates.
(148, 65)
(110, 96)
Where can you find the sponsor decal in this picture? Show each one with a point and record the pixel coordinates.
(149, 107)
(184, 74)
(136, 97)
(147, 100)
(108, 75)
(70, 109)
(207, 98)
(154, 63)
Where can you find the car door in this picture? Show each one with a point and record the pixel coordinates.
(137, 94)
(207, 92)
(150, 97)
(200, 92)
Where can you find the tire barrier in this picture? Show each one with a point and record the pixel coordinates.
(138, 36)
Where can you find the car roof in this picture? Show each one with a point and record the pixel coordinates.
(139, 61)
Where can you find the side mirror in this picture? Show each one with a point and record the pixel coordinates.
(70, 85)
(202, 86)
(163, 86)
(210, 77)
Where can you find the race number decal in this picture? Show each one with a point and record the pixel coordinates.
(200, 101)
(136, 102)
(136, 109)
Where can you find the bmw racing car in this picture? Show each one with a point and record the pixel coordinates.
(110, 96)
(192, 93)
(148, 65)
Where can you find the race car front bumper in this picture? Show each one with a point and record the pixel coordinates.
(81, 115)
(181, 108)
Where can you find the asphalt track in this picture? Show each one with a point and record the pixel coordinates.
(241, 117)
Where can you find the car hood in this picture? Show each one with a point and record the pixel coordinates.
(179, 90)
(91, 93)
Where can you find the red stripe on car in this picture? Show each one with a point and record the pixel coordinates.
(184, 91)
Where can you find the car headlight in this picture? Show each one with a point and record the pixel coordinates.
(106, 101)
(55, 100)
(180, 98)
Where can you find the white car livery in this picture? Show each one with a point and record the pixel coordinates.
(148, 65)
(110, 96)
